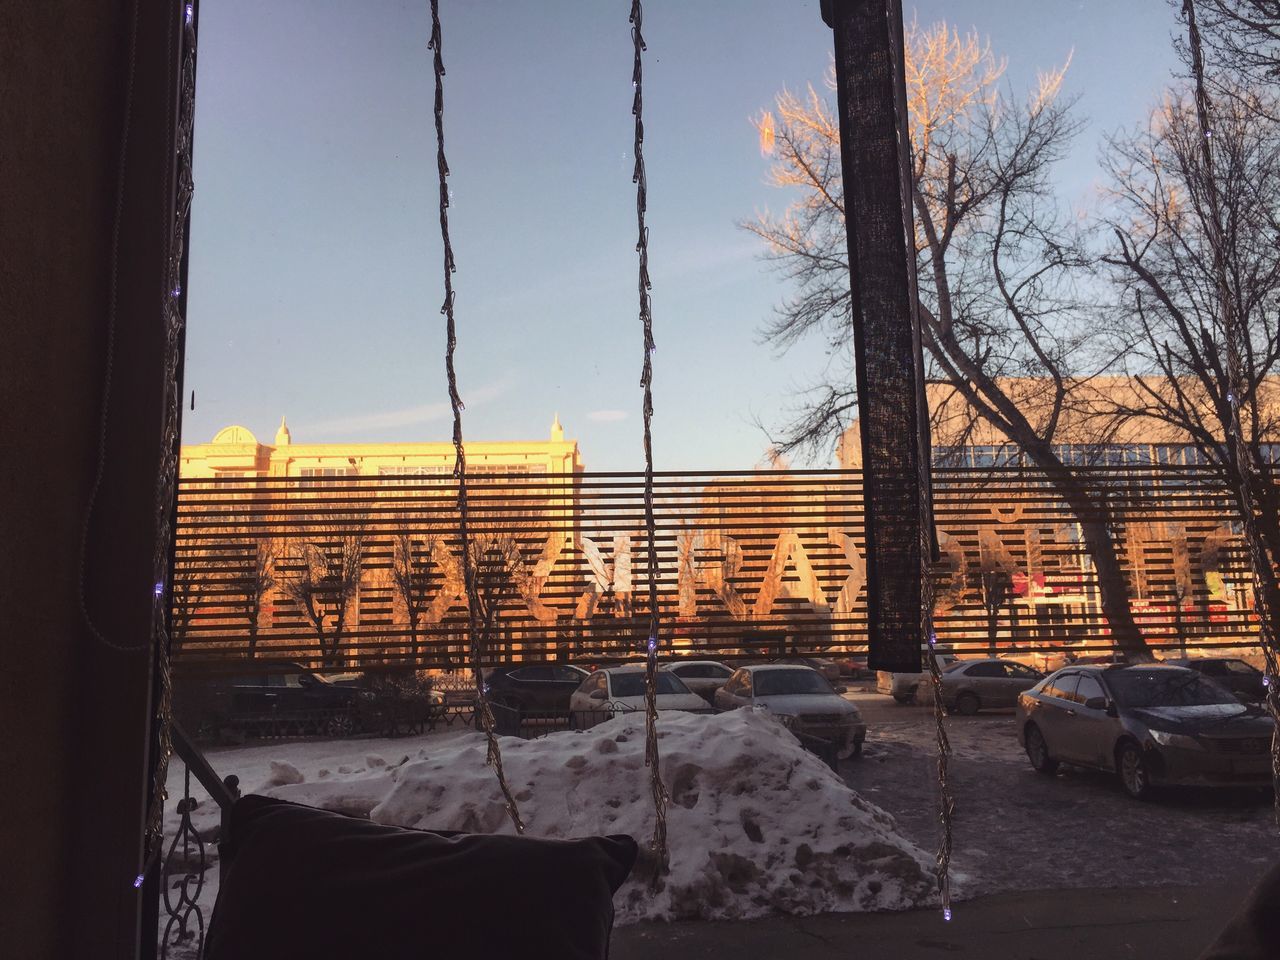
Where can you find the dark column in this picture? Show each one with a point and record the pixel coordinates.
(76, 714)
(892, 415)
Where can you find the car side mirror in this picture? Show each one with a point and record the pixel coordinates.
(306, 680)
(1096, 703)
(597, 695)
(842, 689)
(1112, 709)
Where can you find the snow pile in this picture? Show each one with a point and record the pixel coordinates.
(755, 826)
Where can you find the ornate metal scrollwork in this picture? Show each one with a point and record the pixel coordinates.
(182, 879)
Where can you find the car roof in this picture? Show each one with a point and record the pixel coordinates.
(753, 668)
(690, 663)
(624, 668)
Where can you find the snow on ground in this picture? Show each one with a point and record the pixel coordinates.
(755, 825)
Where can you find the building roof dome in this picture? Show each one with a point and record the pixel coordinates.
(283, 436)
(234, 434)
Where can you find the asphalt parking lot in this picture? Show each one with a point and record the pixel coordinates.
(1015, 829)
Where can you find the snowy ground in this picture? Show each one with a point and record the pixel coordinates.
(755, 826)
(821, 845)
(1015, 829)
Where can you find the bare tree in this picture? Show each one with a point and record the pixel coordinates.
(496, 567)
(413, 576)
(999, 259)
(1185, 306)
(257, 579)
(1243, 37)
(995, 587)
(191, 569)
(323, 578)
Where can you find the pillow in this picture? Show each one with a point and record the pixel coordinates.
(305, 883)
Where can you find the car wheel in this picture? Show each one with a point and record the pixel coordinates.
(1135, 776)
(1038, 751)
(967, 704)
(339, 725)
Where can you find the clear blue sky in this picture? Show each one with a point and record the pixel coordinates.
(315, 277)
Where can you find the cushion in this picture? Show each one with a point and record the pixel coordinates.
(1254, 932)
(305, 883)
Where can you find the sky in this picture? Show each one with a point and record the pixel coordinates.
(315, 280)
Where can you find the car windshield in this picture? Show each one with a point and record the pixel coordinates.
(632, 684)
(1165, 688)
(774, 683)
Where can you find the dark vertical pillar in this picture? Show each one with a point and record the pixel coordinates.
(893, 419)
(76, 714)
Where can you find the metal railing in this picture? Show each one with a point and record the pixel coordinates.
(182, 872)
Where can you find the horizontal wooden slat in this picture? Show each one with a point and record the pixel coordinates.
(738, 554)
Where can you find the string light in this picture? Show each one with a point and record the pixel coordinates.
(159, 589)
(137, 881)
(946, 913)
(191, 12)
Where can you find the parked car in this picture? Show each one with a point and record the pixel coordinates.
(802, 698)
(1242, 679)
(902, 686)
(1150, 724)
(994, 683)
(828, 668)
(703, 677)
(616, 690)
(535, 687)
(290, 698)
(853, 667)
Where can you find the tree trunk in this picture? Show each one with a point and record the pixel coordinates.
(993, 623)
(1112, 586)
(253, 636)
(1094, 517)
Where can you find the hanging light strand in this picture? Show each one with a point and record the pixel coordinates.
(1235, 387)
(657, 788)
(170, 440)
(924, 479)
(477, 635)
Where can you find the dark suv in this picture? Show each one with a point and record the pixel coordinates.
(291, 700)
(1237, 676)
(535, 687)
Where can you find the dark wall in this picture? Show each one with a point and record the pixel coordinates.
(75, 714)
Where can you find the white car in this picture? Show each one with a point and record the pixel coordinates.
(902, 686)
(703, 677)
(617, 690)
(801, 698)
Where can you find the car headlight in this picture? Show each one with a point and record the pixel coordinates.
(1167, 739)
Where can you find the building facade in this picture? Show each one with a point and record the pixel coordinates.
(236, 452)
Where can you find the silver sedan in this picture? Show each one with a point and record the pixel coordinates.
(801, 698)
(972, 685)
(1150, 724)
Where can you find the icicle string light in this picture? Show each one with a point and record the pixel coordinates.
(657, 789)
(477, 633)
(946, 802)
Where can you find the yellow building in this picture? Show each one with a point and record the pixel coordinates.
(236, 452)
